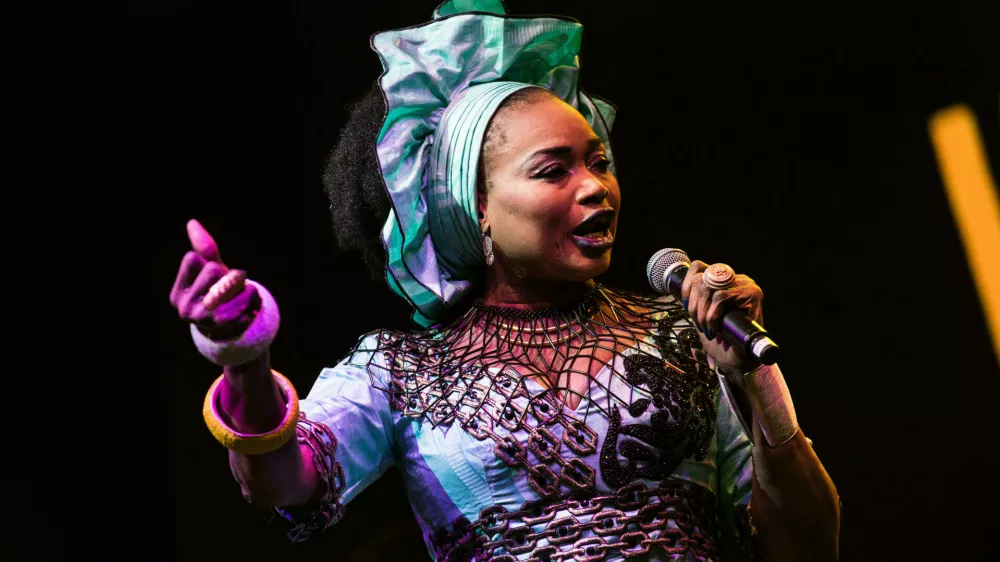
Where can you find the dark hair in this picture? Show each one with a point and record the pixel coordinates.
(353, 183)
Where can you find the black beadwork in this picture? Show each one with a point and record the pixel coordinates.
(471, 375)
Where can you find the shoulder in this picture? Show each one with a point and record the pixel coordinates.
(384, 346)
(667, 323)
(646, 305)
(645, 296)
(375, 357)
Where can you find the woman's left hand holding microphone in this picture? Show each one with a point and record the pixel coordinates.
(708, 293)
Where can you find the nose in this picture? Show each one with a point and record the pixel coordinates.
(591, 190)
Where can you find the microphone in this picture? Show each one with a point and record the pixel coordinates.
(666, 271)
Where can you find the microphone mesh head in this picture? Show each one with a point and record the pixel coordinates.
(660, 262)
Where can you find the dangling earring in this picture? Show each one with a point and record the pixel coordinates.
(488, 246)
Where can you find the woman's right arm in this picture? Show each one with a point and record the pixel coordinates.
(249, 399)
(308, 480)
(253, 403)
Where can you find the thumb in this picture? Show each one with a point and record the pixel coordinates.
(202, 242)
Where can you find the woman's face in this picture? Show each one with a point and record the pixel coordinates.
(547, 173)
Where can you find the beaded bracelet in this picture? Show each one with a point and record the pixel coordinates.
(253, 443)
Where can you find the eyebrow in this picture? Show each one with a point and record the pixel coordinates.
(562, 151)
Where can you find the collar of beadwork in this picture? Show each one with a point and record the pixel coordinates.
(585, 303)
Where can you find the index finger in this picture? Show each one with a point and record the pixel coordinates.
(697, 266)
(190, 267)
(202, 242)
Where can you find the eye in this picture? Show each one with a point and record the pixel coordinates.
(601, 163)
(551, 173)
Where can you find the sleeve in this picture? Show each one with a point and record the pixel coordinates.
(347, 422)
(735, 469)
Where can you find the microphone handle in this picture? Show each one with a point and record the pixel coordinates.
(737, 329)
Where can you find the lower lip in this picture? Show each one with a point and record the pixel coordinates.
(602, 243)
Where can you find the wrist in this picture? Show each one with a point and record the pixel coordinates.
(735, 374)
(250, 403)
(251, 378)
(771, 402)
(247, 427)
(251, 343)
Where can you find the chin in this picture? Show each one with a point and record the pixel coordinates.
(587, 268)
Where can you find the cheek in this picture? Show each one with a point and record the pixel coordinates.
(614, 199)
(614, 192)
(533, 223)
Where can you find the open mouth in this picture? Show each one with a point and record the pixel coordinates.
(595, 232)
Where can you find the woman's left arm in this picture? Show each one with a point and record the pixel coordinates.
(794, 507)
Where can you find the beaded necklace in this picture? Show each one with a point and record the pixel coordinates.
(533, 322)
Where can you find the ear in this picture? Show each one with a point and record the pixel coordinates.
(481, 205)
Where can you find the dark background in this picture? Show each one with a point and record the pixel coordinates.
(788, 142)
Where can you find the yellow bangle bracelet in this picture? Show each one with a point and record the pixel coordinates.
(249, 443)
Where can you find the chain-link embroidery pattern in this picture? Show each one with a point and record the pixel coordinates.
(633, 521)
(306, 521)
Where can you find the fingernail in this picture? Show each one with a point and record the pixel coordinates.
(685, 302)
(708, 334)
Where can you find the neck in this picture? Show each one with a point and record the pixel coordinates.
(527, 294)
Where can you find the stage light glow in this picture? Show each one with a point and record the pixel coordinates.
(972, 194)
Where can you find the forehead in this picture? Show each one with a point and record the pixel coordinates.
(545, 122)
